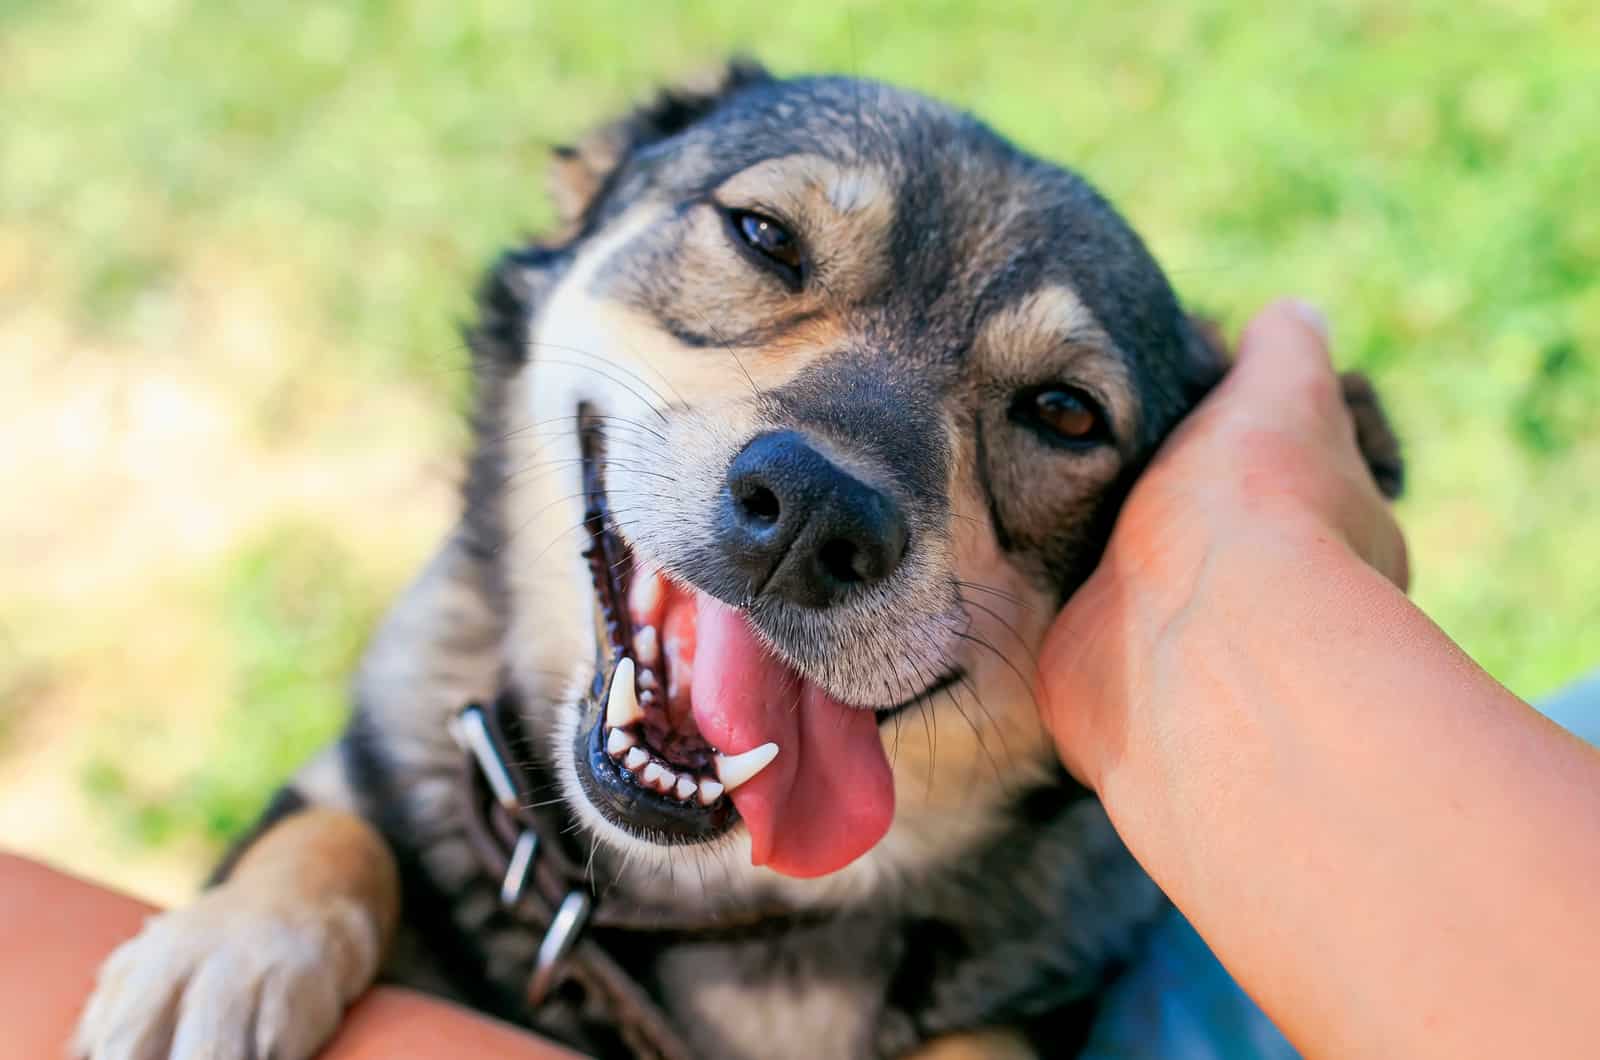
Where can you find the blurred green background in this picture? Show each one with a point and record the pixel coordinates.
(236, 241)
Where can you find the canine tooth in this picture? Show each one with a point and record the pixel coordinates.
(735, 770)
(710, 791)
(636, 757)
(647, 646)
(618, 742)
(647, 676)
(652, 773)
(622, 705)
(685, 788)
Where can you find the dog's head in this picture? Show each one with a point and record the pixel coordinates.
(792, 446)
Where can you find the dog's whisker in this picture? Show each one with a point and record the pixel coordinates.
(894, 753)
(641, 398)
(1008, 597)
(579, 526)
(991, 725)
(622, 368)
(1025, 681)
(1006, 625)
(566, 427)
(977, 734)
(588, 868)
(559, 462)
(727, 348)
(630, 464)
(977, 731)
(930, 727)
(661, 401)
(537, 513)
(538, 470)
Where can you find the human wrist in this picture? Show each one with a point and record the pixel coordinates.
(1196, 642)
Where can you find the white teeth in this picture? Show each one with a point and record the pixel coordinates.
(622, 705)
(618, 742)
(710, 791)
(647, 676)
(652, 773)
(685, 788)
(645, 595)
(647, 646)
(637, 756)
(666, 781)
(734, 770)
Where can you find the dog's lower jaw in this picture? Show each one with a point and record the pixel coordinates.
(717, 874)
(622, 858)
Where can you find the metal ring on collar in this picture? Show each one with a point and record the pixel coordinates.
(565, 928)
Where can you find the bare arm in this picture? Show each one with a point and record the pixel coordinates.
(1391, 852)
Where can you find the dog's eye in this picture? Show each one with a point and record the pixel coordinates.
(769, 239)
(1062, 413)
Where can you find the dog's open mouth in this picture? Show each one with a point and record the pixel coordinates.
(697, 725)
(648, 767)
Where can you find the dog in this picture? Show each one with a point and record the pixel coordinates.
(790, 442)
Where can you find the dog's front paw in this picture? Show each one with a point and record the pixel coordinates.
(235, 975)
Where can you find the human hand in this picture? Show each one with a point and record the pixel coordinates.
(1267, 467)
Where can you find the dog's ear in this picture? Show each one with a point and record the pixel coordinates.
(1376, 438)
(581, 171)
(1205, 357)
(1207, 360)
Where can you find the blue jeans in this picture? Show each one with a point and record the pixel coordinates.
(1178, 1001)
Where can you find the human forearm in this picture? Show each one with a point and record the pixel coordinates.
(1320, 779)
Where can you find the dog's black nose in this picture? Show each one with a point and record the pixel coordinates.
(798, 526)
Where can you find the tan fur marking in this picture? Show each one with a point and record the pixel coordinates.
(807, 183)
(1054, 313)
(843, 213)
(576, 174)
(998, 1044)
(1052, 330)
(326, 855)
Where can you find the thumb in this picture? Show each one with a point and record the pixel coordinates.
(1285, 343)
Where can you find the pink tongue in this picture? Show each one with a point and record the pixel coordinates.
(829, 795)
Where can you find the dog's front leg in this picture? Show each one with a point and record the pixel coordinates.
(263, 964)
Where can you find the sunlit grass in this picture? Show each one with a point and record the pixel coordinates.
(295, 607)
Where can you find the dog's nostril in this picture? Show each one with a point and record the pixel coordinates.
(760, 503)
(795, 525)
(842, 560)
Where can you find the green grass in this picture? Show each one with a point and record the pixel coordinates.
(1426, 172)
(296, 608)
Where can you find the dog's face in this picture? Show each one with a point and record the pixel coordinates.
(822, 411)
